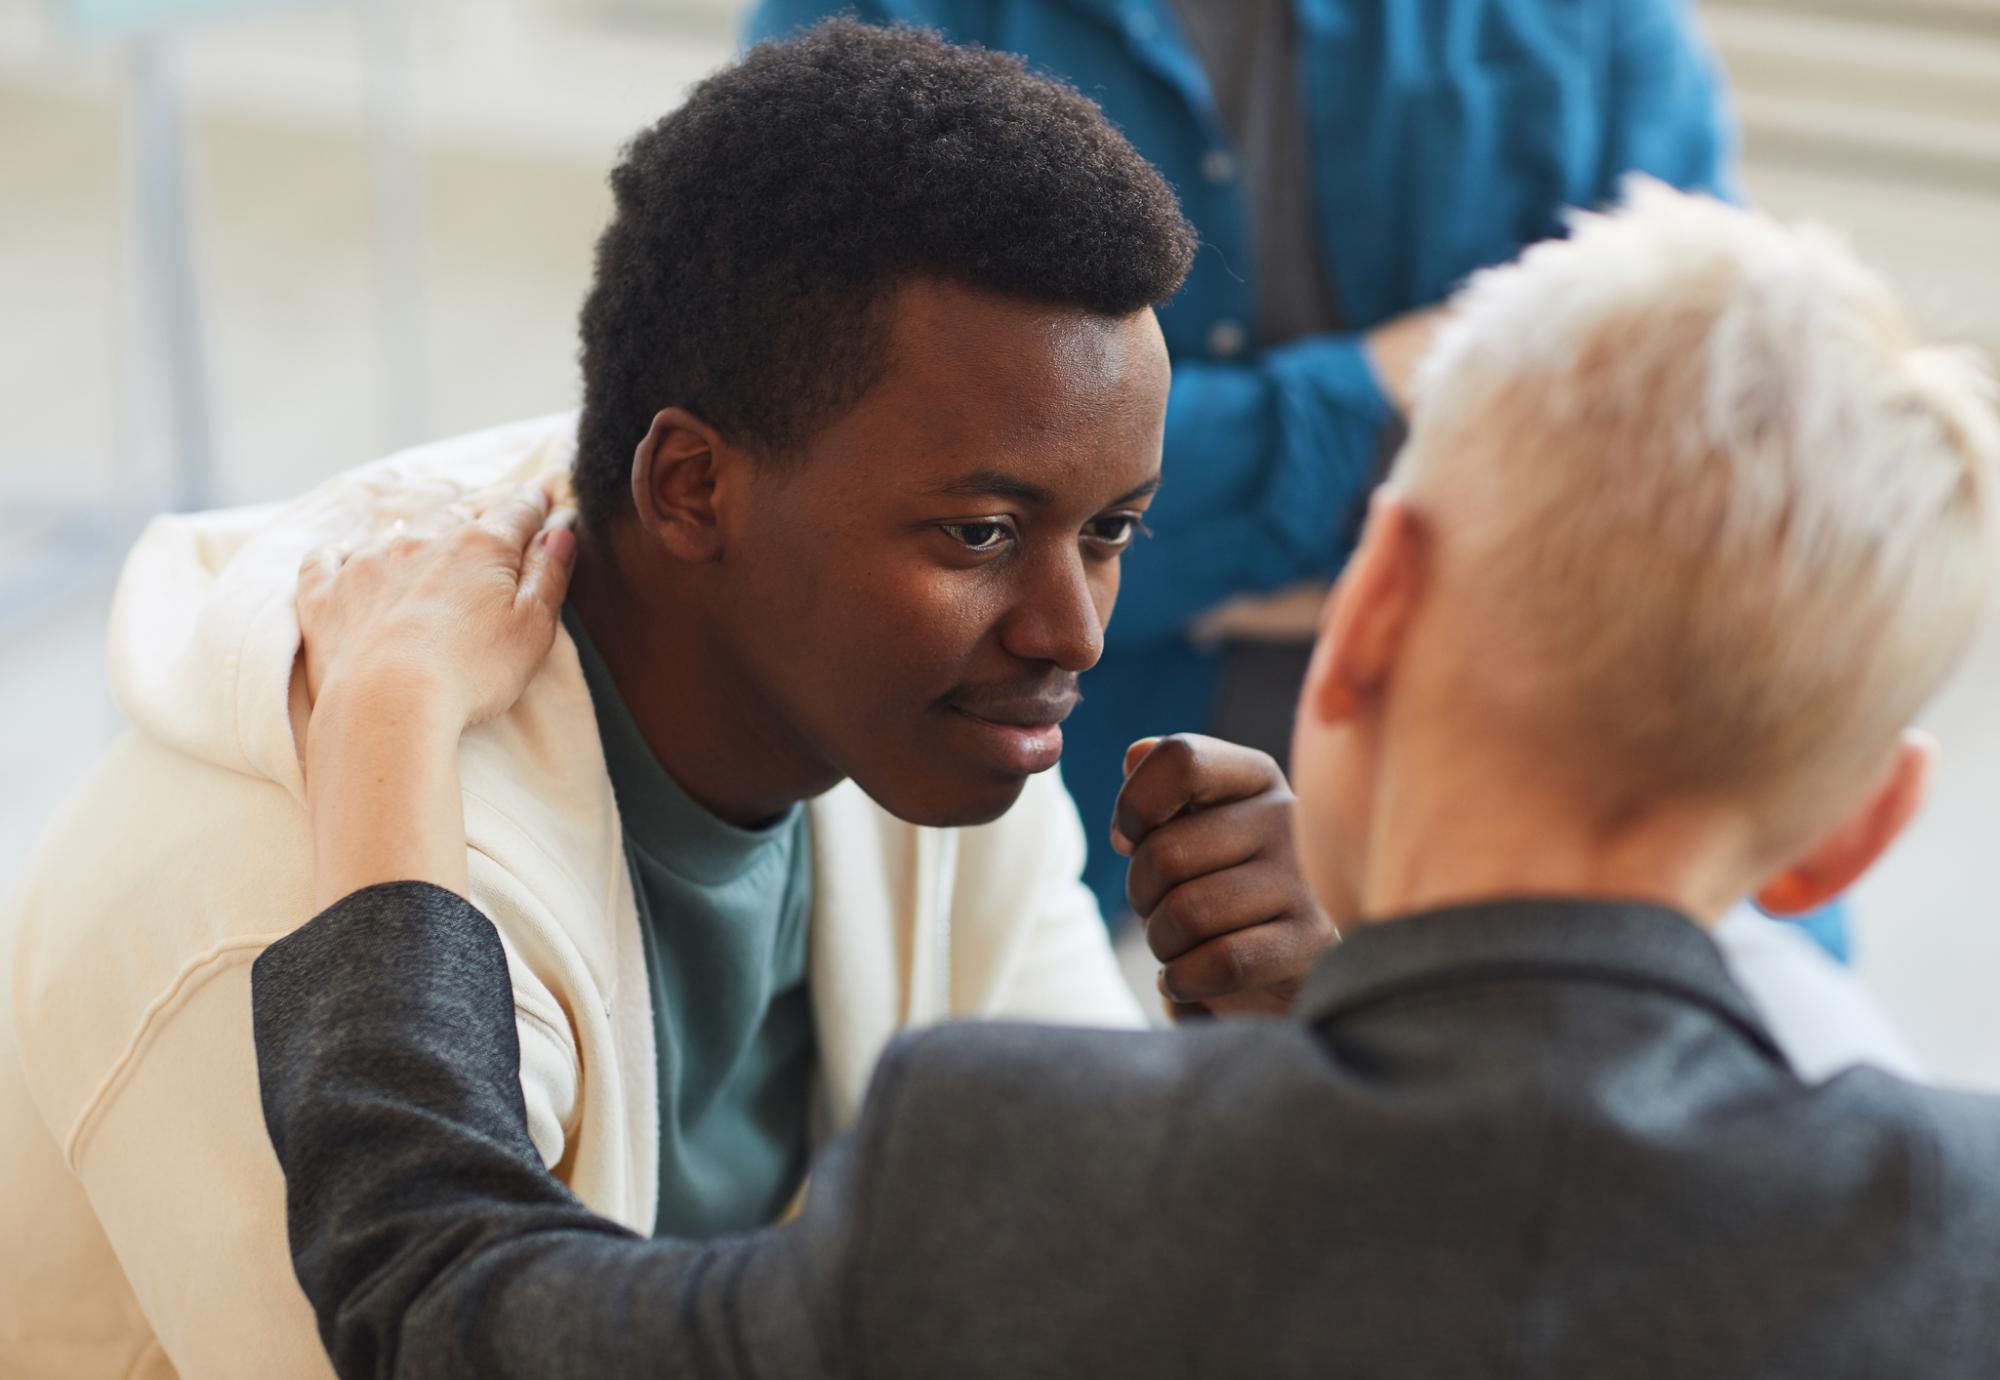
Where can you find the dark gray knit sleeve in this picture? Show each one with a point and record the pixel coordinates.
(429, 1238)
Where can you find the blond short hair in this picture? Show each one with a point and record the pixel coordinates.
(1728, 516)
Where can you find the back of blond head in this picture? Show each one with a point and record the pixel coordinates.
(1722, 516)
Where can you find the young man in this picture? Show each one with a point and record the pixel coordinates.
(1586, 681)
(873, 397)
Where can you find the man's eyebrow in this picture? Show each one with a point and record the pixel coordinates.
(1000, 484)
(995, 484)
(1151, 486)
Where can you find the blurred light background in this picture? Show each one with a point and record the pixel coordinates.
(276, 238)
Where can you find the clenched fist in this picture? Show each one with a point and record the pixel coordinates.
(1207, 825)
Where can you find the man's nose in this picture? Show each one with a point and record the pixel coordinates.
(1055, 617)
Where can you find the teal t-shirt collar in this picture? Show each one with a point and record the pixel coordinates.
(660, 819)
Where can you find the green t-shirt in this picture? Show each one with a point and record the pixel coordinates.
(724, 914)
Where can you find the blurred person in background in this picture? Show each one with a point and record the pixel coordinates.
(1522, 1121)
(1346, 163)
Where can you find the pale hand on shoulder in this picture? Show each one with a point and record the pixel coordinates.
(408, 637)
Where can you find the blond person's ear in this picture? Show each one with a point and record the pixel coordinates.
(1837, 861)
(1367, 612)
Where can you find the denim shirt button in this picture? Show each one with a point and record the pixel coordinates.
(1218, 166)
(1226, 339)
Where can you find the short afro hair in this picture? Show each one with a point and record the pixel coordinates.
(760, 228)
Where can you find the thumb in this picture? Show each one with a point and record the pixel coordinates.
(546, 569)
(1136, 754)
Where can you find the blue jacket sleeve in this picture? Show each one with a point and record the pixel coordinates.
(1267, 463)
(1668, 115)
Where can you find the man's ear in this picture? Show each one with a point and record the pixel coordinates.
(1368, 612)
(1839, 859)
(674, 475)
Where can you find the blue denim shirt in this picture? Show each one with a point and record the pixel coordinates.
(1445, 136)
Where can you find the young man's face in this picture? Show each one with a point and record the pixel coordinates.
(918, 593)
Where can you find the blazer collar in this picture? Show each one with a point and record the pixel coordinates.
(1632, 944)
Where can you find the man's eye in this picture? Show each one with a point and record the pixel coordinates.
(977, 536)
(1116, 530)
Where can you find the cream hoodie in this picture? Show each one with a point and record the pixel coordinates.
(140, 1204)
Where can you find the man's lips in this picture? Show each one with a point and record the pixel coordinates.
(1041, 711)
(1020, 736)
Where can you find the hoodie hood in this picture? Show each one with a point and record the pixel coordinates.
(204, 632)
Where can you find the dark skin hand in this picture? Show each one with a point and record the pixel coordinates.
(1207, 825)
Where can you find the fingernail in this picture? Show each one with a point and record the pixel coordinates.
(1120, 845)
(562, 543)
(1136, 753)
